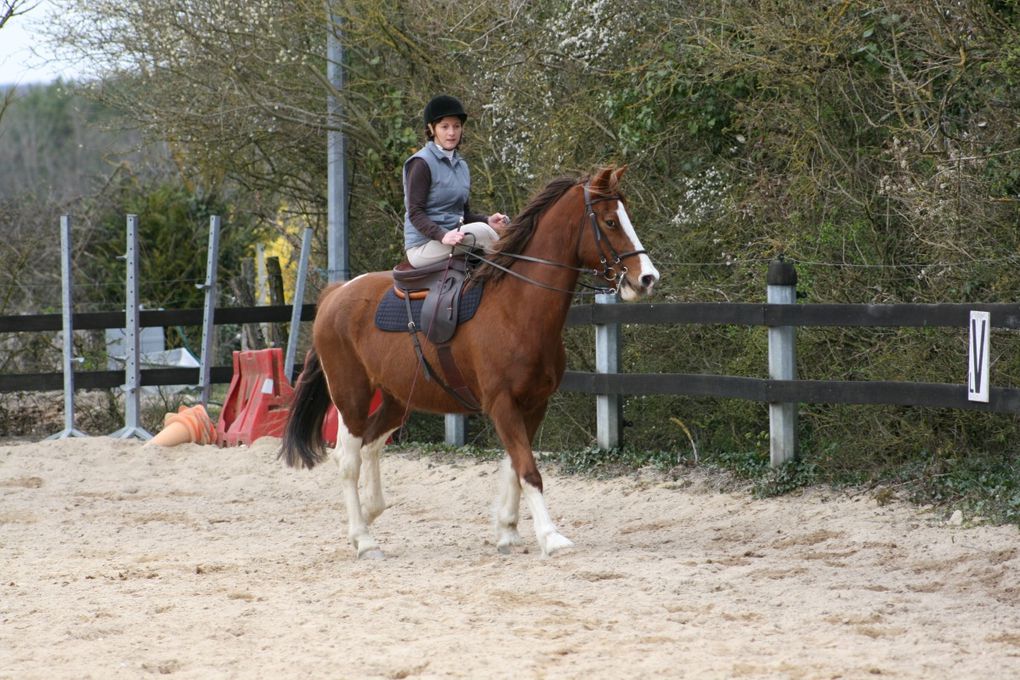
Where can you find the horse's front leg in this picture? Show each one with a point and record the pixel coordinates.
(549, 538)
(507, 510)
(508, 494)
(512, 427)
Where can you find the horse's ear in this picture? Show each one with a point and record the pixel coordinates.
(602, 182)
(617, 174)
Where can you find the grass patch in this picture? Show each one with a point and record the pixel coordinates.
(446, 453)
(977, 486)
(592, 460)
(766, 481)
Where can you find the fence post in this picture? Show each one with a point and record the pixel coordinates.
(608, 407)
(132, 372)
(274, 286)
(209, 308)
(244, 290)
(782, 290)
(456, 429)
(297, 302)
(66, 303)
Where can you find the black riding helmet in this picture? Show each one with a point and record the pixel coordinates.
(442, 106)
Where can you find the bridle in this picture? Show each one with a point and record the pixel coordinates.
(609, 259)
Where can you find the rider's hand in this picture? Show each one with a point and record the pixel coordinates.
(452, 238)
(498, 221)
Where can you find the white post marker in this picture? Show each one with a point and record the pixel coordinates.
(782, 290)
(977, 356)
(608, 407)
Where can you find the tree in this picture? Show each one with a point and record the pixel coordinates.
(8, 10)
(242, 95)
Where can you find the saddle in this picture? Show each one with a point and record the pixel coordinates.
(437, 288)
(440, 285)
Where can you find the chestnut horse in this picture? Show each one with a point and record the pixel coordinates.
(510, 354)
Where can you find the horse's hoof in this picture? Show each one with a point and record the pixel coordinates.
(371, 554)
(507, 540)
(554, 543)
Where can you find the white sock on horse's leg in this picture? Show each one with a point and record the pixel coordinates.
(549, 538)
(507, 508)
(374, 502)
(348, 458)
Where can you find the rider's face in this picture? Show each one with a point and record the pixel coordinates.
(447, 132)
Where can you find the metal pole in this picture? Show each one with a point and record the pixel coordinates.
(456, 429)
(132, 373)
(782, 290)
(294, 333)
(337, 236)
(66, 309)
(209, 309)
(608, 407)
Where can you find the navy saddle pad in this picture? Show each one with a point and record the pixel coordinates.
(391, 314)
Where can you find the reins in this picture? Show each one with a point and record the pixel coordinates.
(593, 290)
(609, 261)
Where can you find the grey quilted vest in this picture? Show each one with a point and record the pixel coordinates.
(451, 184)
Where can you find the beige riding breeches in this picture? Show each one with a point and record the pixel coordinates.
(476, 234)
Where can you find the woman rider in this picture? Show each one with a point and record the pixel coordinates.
(436, 187)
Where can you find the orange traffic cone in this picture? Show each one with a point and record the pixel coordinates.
(188, 425)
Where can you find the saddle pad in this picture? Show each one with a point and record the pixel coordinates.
(391, 314)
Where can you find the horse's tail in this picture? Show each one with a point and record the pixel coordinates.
(303, 445)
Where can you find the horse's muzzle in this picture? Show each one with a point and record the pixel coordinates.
(631, 290)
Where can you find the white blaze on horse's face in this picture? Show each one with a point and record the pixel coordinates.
(647, 275)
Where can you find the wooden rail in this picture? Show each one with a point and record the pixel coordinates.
(611, 385)
(38, 382)
(733, 387)
(1003, 400)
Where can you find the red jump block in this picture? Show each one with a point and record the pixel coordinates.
(331, 423)
(258, 401)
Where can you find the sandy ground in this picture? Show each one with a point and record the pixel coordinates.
(118, 561)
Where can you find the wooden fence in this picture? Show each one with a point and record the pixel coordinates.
(608, 383)
(1002, 400)
(37, 382)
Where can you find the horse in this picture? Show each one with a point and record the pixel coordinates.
(510, 354)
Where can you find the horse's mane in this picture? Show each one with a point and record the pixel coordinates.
(517, 234)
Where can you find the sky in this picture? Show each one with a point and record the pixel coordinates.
(24, 57)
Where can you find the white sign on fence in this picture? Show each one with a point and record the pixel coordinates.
(977, 360)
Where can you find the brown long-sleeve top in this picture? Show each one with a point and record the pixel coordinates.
(419, 181)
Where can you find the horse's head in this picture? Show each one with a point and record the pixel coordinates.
(610, 245)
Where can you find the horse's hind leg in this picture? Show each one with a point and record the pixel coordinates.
(373, 503)
(348, 458)
(381, 425)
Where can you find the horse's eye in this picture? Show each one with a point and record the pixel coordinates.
(611, 223)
